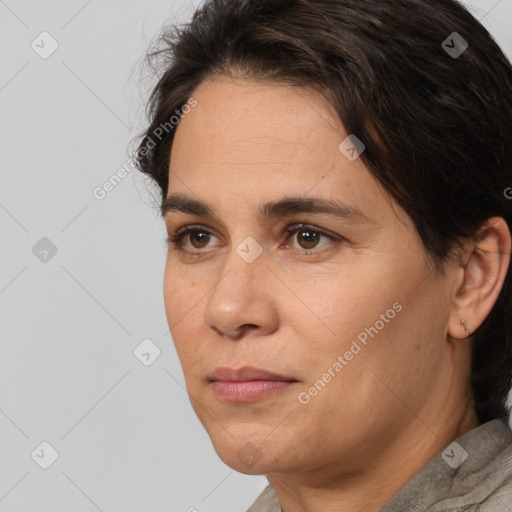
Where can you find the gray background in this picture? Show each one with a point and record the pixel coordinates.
(126, 436)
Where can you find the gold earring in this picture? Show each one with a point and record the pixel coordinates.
(465, 326)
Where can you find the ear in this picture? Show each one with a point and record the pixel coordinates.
(483, 268)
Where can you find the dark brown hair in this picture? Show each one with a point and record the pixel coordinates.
(435, 117)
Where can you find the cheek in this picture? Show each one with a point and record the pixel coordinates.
(374, 318)
(341, 306)
(182, 299)
(182, 292)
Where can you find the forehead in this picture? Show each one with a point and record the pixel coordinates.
(255, 120)
(262, 141)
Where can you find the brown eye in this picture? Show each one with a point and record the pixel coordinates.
(190, 238)
(307, 238)
(193, 239)
(199, 239)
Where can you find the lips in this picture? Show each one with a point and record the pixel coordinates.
(246, 373)
(247, 384)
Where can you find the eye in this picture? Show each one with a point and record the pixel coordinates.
(308, 237)
(198, 237)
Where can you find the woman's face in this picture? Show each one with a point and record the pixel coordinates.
(345, 309)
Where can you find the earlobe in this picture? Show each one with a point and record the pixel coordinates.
(484, 271)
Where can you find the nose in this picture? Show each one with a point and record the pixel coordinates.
(242, 300)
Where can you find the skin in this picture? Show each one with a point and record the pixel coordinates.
(298, 306)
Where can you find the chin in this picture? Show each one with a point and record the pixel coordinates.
(245, 453)
(248, 460)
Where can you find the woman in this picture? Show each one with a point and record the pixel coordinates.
(334, 180)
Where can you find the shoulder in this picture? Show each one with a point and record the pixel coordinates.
(497, 480)
(483, 483)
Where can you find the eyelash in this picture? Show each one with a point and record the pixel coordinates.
(175, 238)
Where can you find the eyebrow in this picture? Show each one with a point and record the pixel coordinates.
(285, 206)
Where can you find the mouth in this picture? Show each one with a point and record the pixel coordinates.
(247, 384)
